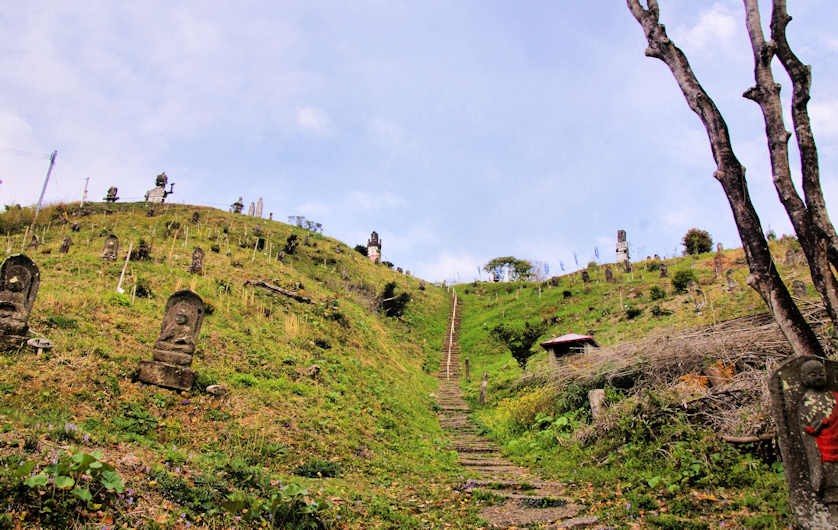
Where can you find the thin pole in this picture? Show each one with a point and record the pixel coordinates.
(119, 288)
(41, 198)
(84, 193)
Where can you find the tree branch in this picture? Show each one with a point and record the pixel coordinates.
(801, 77)
(730, 173)
(766, 94)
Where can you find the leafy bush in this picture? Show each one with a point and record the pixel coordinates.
(362, 250)
(519, 341)
(657, 293)
(318, 468)
(291, 244)
(135, 419)
(70, 486)
(681, 279)
(654, 265)
(393, 305)
(697, 241)
(632, 312)
(659, 312)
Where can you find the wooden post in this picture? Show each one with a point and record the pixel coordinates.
(468, 371)
(483, 385)
(119, 288)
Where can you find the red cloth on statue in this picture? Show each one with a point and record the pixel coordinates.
(826, 435)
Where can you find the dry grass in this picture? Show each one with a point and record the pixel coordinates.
(744, 349)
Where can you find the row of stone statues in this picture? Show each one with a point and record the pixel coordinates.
(172, 351)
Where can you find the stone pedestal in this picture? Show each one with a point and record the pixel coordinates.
(166, 375)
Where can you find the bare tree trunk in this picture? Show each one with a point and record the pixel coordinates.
(801, 77)
(730, 173)
(766, 94)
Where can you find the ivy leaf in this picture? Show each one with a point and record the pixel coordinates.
(112, 481)
(82, 493)
(37, 480)
(63, 482)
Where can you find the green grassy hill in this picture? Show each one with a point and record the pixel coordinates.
(331, 397)
(649, 461)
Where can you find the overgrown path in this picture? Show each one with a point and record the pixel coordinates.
(522, 499)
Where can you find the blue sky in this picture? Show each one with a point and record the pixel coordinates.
(460, 131)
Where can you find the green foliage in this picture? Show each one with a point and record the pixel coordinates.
(653, 266)
(393, 305)
(318, 468)
(58, 491)
(632, 312)
(519, 269)
(135, 419)
(771, 235)
(518, 340)
(58, 321)
(681, 279)
(657, 293)
(697, 241)
(362, 250)
(659, 312)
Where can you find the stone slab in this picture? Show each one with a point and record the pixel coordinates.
(166, 375)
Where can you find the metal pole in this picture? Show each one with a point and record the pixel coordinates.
(31, 228)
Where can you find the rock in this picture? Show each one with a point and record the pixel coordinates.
(130, 462)
(597, 400)
(217, 390)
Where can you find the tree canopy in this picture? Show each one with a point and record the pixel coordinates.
(518, 340)
(519, 269)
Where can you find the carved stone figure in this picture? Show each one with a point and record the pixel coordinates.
(586, 278)
(790, 257)
(622, 247)
(718, 264)
(196, 217)
(173, 350)
(237, 206)
(34, 243)
(111, 248)
(609, 274)
(664, 271)
(251, 209)
(719, 247)
(197, 266)
(159, 193)
(732, 286)
(804, 402)
(19, 281)
(258, 211)
(65, 245)
(627, 266)
(150, 212)
(374, 248)
(142, 252)
(111, 195)
(798, 288)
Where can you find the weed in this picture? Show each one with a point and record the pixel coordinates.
(318, 468)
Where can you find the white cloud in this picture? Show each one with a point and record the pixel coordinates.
(716, 25)
(451, 267)
(374, 201)
(824, 116)
(314, 120)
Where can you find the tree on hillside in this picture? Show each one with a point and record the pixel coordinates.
(518, 269)
(519, 341)
(697, 241)
(808, 215)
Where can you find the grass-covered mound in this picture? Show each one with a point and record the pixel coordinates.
(682, 442)
(328, 420)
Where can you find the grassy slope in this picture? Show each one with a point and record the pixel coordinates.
(368, 410)
(595, 308)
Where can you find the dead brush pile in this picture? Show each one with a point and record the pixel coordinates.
(714, 375)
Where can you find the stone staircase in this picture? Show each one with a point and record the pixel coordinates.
(523, 500)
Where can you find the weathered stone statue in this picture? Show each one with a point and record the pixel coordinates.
(374, 248)
(790, 257)
(718, 264)
(111, 195)
(798, 288)
(664, 271)
(65, 245)
(622, 247)
(586, 278)
(173, 350)
(197, 266)
(251, 209)
(804, 402)
(19, 281)
(237, 206)
(34, 243)
(111, 248)
(196, 217)
(732, 286)
(609, 274)
(159, 193)
(142, 252)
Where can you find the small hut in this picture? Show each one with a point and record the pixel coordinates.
(567, 345)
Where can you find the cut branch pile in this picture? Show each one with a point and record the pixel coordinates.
(277, 290)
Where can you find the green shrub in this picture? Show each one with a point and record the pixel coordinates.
(657, 293)
(697, 241)
(681, 279)
(632, 312)
(318, 468)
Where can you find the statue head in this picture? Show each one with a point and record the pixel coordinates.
(181, 323)
(161, 180)
(813, 374)
(19, 281)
